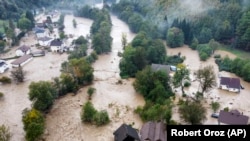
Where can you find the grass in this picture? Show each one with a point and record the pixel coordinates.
(239, 53)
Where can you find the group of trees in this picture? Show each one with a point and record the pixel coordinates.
(240, 67)
(91, 115)
(100, 29)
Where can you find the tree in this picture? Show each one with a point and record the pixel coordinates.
(74, 23)
(214, 45)
(81, 70)
(243, 31)
(124, 40)
(180, 75)
(88, 112)
(29, 15)
(91, 91)
(215, 106)
(4, 133)
(34, 124)
(192, 112)
(194, 43)
(101, 118)
(42, 94)
(207, 79)
(175, 37)
(24, 24)
(18, 74)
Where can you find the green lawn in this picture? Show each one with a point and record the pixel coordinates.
(239, 53)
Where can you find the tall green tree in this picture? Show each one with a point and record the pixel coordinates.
(34, 124)
(42, 94)
(180, 75)
(243, 31)
(175, 37)
(24, 24)
(207, 78)
(192, 112)
(29, 15)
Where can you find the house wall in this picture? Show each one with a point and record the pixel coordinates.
(40, 35)
(224, 87)
(19, 53)
(233, 90)
(55, 48)
(44, 43)
(3, 68)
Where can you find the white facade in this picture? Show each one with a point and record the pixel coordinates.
(44, 43)
(3, 66)
(56, 48)
(40, 35)
(19, 52)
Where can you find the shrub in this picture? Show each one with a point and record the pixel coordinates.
(91, 91)
(1, 95)
(88, 112)
(4, 133)
(187, 84)
(5, 80)
(226, 109)
(18, 74)
(217, 56)
(101, 118)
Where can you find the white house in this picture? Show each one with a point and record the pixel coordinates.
(45, 41)
(21, 60)
(3, 66)
(22, 50)
(230, 84)
(40, 33)
(57, 45)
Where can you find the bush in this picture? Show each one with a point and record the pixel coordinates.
(18, 74)
(1, 95)
(187, 84)
(101, 118)
(226, 109)
(5, 80)
(90, 92)
(217, 56)
(4, 133)
(88, 112)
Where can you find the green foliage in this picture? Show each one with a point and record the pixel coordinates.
(42, 94)
(175, 37)
(180, 75)
(206, 77)
(34, 124)
(226, 109)
(192, 112)
(4, 133)
(215, 106)
(187, 84)
(91, 91)
(5, 80)
(24, 24)
(243, 31)
(81, 40)
(153, 86)
(88, 112)
(174, 59)
(78, 52)
(155, 112)
(90, 115)
(18, 74)
(101, 118)
(205, 51)
(194, 44)
(1, 95)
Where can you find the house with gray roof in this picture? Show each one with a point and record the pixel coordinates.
(234, 117)
(153, 131)
(45, 41)
(21, 61)
(22, 50)
(126, 133)
(57, 45)
(230, 84)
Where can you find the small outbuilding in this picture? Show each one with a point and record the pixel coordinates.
(21, 60)
(126, 133)
(22, 50)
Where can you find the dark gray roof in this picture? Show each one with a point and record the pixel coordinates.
(233, 117)
(40, 31)
(56, 42)
(153, 131)
(159, 67)
(45, 38)
(124, 132)
(24, 48)
(20, 60)
(230, 82)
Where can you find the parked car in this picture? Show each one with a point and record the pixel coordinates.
(215, 115)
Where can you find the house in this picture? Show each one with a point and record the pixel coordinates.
(56, 45)
(40, 33)
(126, 133)
(38, 53)
(230, 84)
(22, 50)
(3, 66)
(21, 60)
(41, 25)
(233, 117)
(153, 131)
(44, 41)
(166, 68)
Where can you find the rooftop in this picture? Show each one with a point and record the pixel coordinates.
(233, 117)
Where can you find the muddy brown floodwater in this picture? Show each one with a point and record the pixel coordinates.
(231, 100)
(64, 123)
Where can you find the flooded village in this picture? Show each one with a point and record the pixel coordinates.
(63, 122)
